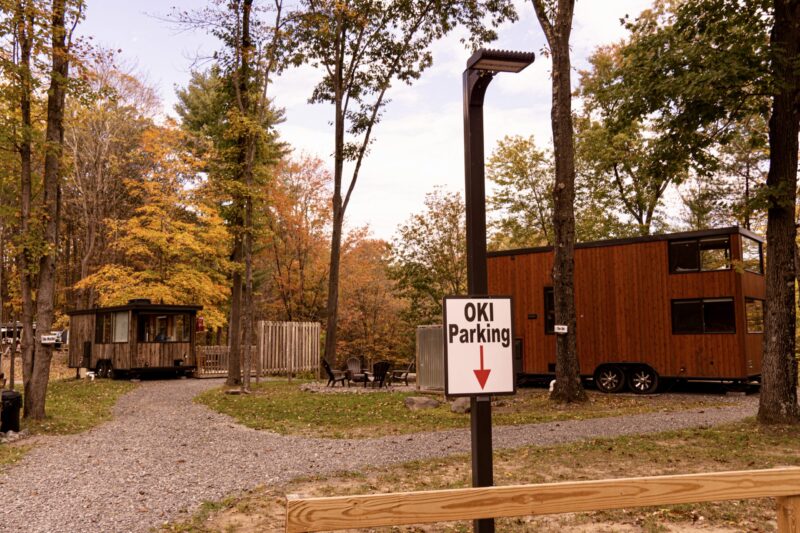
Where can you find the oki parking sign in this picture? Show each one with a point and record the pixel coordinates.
(479, 346)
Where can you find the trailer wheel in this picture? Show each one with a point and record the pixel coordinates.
(101, 370)
(609, 378)
(643, 380)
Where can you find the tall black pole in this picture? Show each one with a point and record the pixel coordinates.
(475, 84)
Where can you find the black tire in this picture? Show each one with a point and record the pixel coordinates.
(609, 378)
(101, 371)
(642, 380)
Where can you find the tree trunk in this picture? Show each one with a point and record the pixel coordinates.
(24, 26)
(333, 280)
(338, 218)
(568, 386)
(54, 141)
(778, 401)
(235, 324)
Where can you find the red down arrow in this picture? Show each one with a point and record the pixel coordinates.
(482, 374)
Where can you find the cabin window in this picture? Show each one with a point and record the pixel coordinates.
(752, 255)
(754, 309)
(111, 327)
(700, 255)
(549, 311)
(155, 327)
(712, 315)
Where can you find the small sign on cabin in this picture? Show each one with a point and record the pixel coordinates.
(49, 338)
(478, 346)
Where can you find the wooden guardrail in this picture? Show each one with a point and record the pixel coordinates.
(348, 512)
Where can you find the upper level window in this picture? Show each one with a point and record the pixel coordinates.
(111, 327)
(752, 255)
(712, 315)
(697, 255)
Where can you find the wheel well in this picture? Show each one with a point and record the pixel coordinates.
(626, 367)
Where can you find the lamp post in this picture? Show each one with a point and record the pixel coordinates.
(481, 69)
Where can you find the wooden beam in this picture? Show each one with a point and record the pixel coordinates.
(789, 514)
(347, 512)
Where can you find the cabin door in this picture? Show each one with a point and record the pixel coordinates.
(86, 357)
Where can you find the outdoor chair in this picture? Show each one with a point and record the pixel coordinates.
(402, 375)
(379, 372)
(334, 376)
(356, 373)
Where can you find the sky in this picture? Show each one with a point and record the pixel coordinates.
(419, 142)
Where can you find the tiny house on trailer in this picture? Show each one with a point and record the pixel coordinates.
(685, 305)
(134, 338)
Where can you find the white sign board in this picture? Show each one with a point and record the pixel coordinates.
(478, 346)
(51, 338)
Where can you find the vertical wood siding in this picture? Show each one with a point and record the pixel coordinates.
(623, 299)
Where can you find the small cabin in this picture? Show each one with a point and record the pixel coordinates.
(684, 305)
(134, 338)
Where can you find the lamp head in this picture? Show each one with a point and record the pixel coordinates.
(499, 60)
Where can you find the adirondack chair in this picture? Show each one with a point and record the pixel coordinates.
(357, 375)
(379, 372)
(334, 376)
(402, 375)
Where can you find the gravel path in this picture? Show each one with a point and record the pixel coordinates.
(163, 455)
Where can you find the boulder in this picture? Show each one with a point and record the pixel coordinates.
(415, 403)
(460, 406)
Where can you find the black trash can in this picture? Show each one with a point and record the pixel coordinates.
(11, 406)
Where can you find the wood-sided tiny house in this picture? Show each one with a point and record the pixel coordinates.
(134, 338)
(686, 305)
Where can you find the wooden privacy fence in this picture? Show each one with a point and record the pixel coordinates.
(347, 512)
(281, 348)
(287, 347)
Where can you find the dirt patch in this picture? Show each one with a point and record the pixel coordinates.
(739, 446)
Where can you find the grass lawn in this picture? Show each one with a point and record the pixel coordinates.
(284, 408)
(72, 406)
(734, 447)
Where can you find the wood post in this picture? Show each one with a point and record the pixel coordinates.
(789, 514)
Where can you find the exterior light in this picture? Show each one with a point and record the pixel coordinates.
(499, 60)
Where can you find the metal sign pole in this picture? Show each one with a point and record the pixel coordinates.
(481, 68)
(475, 84)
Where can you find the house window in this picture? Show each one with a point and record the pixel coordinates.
(164, 328)
(699, 255)
(752, 255)
(549, 311)
(754, 309)
(712, 315)
(111, 327)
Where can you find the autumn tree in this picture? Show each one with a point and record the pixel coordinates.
(555, 18)
(370, 323)
(294, 255)
(244, 145)
(429, 257)
(173, 247)
(103, 138)
(362, 48)
(39, 53)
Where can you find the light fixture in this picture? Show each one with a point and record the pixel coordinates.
(499, 60)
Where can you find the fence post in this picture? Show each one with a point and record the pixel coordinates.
(789, 514)
(259, 348)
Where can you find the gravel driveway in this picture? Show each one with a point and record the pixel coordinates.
(163, 455)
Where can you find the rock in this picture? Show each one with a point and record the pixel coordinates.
(460, 406)
(233, 391)
(415, 403)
